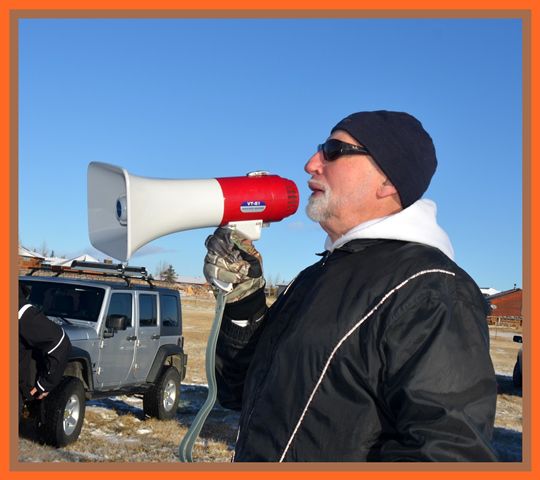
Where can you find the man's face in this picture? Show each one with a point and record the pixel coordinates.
(344, 190)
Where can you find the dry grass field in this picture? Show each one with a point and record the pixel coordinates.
(115, 430)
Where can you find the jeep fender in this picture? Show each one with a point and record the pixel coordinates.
(80, 366)
(177, 359)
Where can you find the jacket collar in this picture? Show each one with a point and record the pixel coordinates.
(353, 246)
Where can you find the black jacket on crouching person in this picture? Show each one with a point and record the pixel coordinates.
(43, 350)
(377, 352)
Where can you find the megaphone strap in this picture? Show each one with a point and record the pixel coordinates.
(186, 445)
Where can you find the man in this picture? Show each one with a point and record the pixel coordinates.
(43, 351)
(380, 350)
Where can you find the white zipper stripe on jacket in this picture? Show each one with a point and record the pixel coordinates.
(23, 309)
(58, 344)
(290, 285)
(347, 335)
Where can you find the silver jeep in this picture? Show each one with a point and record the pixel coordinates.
(126, 339)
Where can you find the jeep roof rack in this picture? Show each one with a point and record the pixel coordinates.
(118, 270)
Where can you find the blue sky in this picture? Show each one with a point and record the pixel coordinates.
(204, 98)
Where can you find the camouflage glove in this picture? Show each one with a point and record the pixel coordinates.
(233, 259)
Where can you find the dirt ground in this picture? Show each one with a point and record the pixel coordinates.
(116, 430)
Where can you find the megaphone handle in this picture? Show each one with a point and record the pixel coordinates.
(186, 445)
(223, 286)
(250, 229)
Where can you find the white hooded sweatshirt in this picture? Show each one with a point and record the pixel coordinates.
(417, 223)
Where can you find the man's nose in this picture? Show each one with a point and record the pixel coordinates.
(314, 164)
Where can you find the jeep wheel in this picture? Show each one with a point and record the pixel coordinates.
(161, 401)
(517, 376)
(64, 413)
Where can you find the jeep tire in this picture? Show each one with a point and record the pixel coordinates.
(161, 401)
(517, 375)
(63, 415)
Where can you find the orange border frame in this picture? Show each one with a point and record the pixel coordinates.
(10, 10)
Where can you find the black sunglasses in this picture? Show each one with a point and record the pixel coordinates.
(333, 149)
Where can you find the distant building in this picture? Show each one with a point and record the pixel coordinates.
(487, 292)
(506, 308)
(29, 259)
(281, 287)
(191, 280)
(275, 290)
(65, 262)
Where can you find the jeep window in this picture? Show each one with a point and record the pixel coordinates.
(169, 310)
(65, 300)
(121, 304)
(147, 310)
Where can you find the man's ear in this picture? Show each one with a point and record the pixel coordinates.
(386, 189)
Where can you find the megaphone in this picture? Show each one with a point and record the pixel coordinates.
(127, 211)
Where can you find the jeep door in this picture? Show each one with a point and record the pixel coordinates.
(117, 347)
(148, 334)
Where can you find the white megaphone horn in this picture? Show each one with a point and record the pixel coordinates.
(126, 211)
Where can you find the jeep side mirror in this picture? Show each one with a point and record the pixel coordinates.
(518, 339)
(114, 323)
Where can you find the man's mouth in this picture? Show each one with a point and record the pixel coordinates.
(316, 187)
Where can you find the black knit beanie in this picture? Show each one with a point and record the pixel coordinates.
(399, 145)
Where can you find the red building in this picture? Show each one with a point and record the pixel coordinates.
(506, 308)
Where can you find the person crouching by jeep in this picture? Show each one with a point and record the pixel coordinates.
(42, 343)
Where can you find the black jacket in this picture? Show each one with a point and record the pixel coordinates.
(378, 352)
(43, 352)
